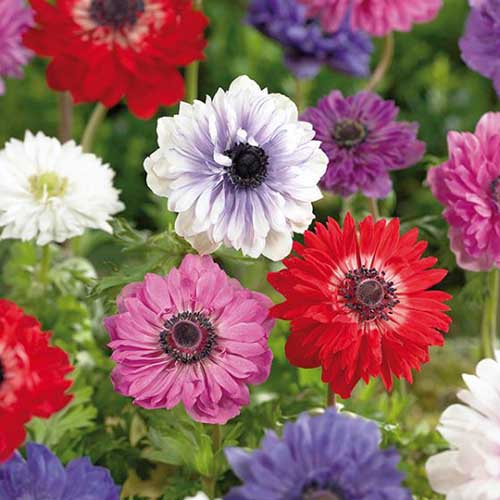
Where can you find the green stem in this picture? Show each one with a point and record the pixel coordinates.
(65, 117)
(45, 265)
(489, 325)
(330, 397)
(210, 483)
(373, 206)
(95, 120)
(301, 91)
(193, 70)
(383, 65)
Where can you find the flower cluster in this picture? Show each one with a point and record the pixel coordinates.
(329, 457)
(359, 303)
(15, 19)
(468, 186)
(52, 192)
(32, 376)
(376, 17)
(240, 169)
(194, 336)
(363, 142)
(104, 50)
(42, 475)
(469, 471)
(306, 46)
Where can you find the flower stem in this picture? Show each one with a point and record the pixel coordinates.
(90, 130)
(301, 94)
(489, 325)
(193, 70)
(373, 206)
(383, 65)
(330, 397)
(210, 483)
(45, 265)
(65, 117)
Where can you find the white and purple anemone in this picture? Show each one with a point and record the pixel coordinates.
(240, 170)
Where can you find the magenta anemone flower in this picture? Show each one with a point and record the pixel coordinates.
(468, 186)
(195, 336)
(15, 19)
(363, 142)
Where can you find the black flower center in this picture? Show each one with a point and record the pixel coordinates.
(2, 372)
(314, 491)
(367, 293)
(249, 165)
(188, 337)
(349, 133)
(116, 13)
(495, 190)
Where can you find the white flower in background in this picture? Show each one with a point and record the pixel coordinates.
(52, 192)
(240, 170)
(471, 469)
(199, 496)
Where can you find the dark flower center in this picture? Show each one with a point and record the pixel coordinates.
(188, 337)
(249, 165)
(116, 13)
(349, 133)
(314, 491)
(495, 190)
(367, 292)
(2, 372)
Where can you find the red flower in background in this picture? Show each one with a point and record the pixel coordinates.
(104, 50)
(32, 375)
(359, 303)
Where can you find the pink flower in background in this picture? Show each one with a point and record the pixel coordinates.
(468, 186)
(15, 19)
(376, 17)
(195, 336)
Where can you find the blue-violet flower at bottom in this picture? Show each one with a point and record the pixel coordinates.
(307, 47)
(42, 476)
(326, 457)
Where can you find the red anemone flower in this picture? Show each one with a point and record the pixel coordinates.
(32, 382)
(103, 50)
(359, 303)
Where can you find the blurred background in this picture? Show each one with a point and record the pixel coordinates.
(430, 84)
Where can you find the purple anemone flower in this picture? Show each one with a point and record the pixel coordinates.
(43, 476)
(306, 46)
(363, 142)
(240, 170)
(327, 457)
(15, 19)
(480, 44)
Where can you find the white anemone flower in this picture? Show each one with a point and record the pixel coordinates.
(240, 170)
(52, 192)
(471, 469)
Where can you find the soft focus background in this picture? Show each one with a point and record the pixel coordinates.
(430, 84)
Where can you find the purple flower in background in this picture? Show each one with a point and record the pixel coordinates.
(43, 476)
(15, 19)
(306, 46)
(328, 457)
(480, 44)
(363, 142)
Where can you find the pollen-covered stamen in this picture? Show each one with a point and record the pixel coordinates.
(349, 133)
(367, 293)
(188, 337)
(313, 491)
(249, 165)
(116, 14)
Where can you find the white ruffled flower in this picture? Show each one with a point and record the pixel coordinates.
(471, 469)
(240, 170)
(52, 192)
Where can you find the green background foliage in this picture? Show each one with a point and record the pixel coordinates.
(162, 454)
